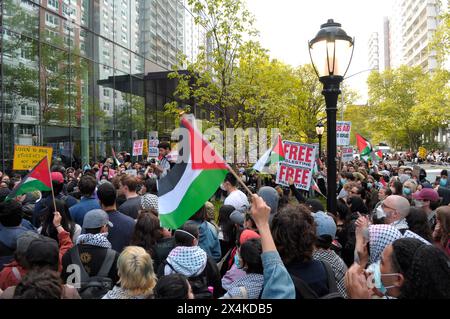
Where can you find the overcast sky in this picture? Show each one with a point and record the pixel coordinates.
(286, 26)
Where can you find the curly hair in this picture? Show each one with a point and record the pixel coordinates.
(425, 268)
(147, 231)
(294, 232)
(39, 284)
(418, 223)
(443, 216)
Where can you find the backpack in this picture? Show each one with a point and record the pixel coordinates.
(306, 292)
(199, 284)
(94, 287)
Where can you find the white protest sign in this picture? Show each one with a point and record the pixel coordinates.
(303, 155)
(343, 133)
(347, 154)
(132, 172)
(300, 175)
(138, 147)
(153, 150)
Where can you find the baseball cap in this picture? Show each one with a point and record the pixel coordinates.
(325, 224)
(57, 177)
(237, 217)
(43, 251)
(427, 194)
(271, 197)
(315, 205)
(247, 235)
(96, 218)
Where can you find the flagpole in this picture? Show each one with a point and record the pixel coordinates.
(239, 180)
(51, 183)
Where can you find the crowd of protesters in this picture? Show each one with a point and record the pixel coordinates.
(388, 239)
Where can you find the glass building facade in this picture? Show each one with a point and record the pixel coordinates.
(73, 73)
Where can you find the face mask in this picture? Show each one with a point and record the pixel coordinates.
(380, 212)
(406, 191)
(222, 187)
(236, 261)
(419, 203)
(343, 181)
(443, 182)
(369, 185)
(375, 270)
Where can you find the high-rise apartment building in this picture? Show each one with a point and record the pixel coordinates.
(72, 72)
(374, 51)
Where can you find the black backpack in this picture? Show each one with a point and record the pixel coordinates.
(94, 287)
(199, 284)
(306, 292)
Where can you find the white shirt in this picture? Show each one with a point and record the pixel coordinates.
(237, 199)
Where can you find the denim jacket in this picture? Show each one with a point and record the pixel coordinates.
(277, 281)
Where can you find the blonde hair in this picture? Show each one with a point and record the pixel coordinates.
(411, 185)
(135, 269)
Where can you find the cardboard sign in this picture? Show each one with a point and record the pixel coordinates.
(343, 133)
(138, 147)
(302, 155)
(301, 175)
(26, 157)
(347, 154)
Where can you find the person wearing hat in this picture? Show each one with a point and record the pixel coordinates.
(428, 200)
(326, 233)
(92, 247)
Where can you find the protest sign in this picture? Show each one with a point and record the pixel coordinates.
(132, 172)
(26, 157)
(301, 175)
(145, 148)
(347, 154)
(138, 147)
(343, 133)
(302, 155)
(153, 150)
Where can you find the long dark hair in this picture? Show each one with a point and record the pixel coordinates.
(48, 229)
(227, 225)
(147, 231)
(417, 221)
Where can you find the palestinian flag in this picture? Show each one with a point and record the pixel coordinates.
(272, 156)
(364, 146)
(37, 180)
(116, 161)
(378, 155)
(190, 183)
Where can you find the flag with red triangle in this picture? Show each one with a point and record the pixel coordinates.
(364, 146)
(192, 181)
(379, 155)
(38, 179)
(272, 156)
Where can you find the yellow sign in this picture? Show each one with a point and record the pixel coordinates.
(26, 157)
(145, 150)
(422, 152)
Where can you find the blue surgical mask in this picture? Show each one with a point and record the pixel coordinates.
(237, 261)
(375, 270)
(406, 191)
(343, 181)
(369, 185)
(443, 182)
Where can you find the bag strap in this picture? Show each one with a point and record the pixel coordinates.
(332, 286)
(222, 261)
(16, 273)
(303, 288)
(75, 257)
(107, 263)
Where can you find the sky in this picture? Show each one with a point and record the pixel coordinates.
(286, 26)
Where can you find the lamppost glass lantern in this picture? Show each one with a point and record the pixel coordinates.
(320, 129)
(331, 52)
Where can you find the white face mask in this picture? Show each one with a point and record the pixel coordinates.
(222, 187)
(419, 203)
(380, 212)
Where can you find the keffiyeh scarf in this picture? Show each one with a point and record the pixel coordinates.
(188, 261)
(380, 236)
(99, 240)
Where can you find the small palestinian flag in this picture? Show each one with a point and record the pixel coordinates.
(364, 146)
(272, 156)
(379, 155)
(190, 183)
(38, 179)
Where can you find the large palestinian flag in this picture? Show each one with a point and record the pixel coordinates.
(190, 183)
(364, 146)
(272, 156)
(37, 180)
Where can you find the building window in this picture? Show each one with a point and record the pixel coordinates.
(54, 4)
(26, 129)
(105, 92)
(27, 110)
(106, 107)
(51, 19)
